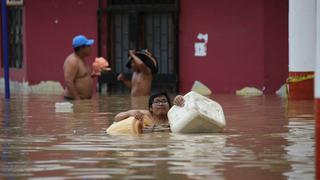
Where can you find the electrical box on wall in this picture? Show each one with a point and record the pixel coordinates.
(14, 2)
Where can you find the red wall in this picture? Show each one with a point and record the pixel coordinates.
(49, 29)
(248, 41)
(276, 52)
(237, 48)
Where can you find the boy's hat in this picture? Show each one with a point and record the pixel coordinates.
(147, 58)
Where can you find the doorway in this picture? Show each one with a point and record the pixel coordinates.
(138, 24)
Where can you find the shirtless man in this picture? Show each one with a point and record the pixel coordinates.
(143, 70)
(159, 105)
(78, 80)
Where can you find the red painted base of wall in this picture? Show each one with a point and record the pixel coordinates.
(294, 109)
(302, 89)
(317, 113)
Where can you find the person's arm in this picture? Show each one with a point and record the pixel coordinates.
(70, 72)
(124, 115)
(135, 58)
(94, 75)
(125, 81)
(139, 63)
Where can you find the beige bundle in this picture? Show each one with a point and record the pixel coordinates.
(129, 126)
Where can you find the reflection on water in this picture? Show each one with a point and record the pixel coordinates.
(300, 149)
(265, 137)
(197, 156)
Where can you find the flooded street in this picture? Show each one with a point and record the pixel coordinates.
(266, 137)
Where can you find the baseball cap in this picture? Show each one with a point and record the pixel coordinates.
(81, 40)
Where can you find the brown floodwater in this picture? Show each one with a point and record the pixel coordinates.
(266, 137)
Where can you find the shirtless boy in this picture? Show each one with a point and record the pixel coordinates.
(78, 80)
(143, 70)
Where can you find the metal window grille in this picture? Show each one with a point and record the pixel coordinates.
(15, 30)
(16, 36)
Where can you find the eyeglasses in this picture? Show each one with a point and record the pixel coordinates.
(158, 102)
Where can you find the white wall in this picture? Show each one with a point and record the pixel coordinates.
(317, 78)
(302, 35)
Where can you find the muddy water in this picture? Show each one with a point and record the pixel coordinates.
(266, 138)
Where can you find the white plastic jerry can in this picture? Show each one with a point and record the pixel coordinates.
(198, 115)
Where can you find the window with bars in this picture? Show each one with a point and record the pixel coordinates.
(15, 33)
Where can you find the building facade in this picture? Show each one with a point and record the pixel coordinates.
(226, 45)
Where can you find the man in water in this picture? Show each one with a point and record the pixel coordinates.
(144, 65)
(159, 105)
(79, 82)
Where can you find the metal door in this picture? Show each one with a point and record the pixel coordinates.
(138, 24)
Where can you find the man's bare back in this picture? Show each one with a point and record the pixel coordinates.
(78, 80)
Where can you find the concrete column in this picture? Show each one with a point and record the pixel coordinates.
(317, 69)
(317, 91)
(302, 48)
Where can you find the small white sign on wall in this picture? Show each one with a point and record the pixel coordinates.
(200, 48)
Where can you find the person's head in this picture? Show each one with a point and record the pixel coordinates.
(147, 58)
(82, 44)
(159, 103)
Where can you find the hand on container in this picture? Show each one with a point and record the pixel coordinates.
(139, 116)
(178, 101)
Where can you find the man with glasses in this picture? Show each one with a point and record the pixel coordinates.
(159, 105)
